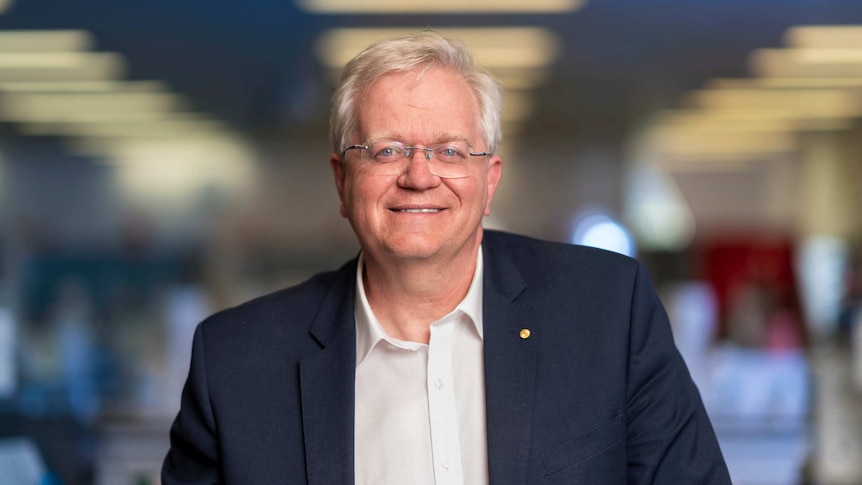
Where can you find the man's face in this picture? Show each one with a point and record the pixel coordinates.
(416, 214)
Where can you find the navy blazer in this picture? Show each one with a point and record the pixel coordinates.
(597, 394)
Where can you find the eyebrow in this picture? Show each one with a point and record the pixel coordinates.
(380, 136)
(438, 139)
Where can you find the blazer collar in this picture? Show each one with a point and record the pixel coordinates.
(335, 312)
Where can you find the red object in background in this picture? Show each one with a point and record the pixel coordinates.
(741, 266)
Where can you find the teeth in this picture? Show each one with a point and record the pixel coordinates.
(419, 210)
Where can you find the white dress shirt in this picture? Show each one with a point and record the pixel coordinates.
(420, 409)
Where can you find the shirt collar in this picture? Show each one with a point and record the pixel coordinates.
(369, 331)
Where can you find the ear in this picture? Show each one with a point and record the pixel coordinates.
(494, 174)
(340, 172)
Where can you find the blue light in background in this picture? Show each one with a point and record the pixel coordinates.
(599, 230)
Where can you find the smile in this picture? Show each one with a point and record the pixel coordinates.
(417, 210)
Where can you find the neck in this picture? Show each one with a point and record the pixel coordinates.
(408, 295)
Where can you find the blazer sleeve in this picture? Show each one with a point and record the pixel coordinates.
(670, 438)
(194, 454)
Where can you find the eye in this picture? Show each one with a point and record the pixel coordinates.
(387, 152)
(449, 153)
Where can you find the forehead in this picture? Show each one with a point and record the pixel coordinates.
(419, 105)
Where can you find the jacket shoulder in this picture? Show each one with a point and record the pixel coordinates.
(289, 310)
(541, 259)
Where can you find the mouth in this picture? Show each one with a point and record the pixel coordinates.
(418, 211)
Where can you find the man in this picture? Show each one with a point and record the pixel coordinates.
(443, 354)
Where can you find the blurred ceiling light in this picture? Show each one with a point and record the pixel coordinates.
(60, 66)
(776, 126)
(45, 60)
(37, 107)
(81, 86)
(30, 41)
(522, 79)
(787, 82)
(165, 129)
(717, 121)
(707, 124)
(825, 56)
(161, 152)
(813, 86)
(726, 115)
(819, 103)
(123, 117)
(825, 36)
(440, 6)
(680, 142)
(493, 47)
(734, 155)
(51, 84)
(810, 63)
(118, 150)
(171, 175)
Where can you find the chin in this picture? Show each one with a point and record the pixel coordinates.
(414, 250)
(424, 246)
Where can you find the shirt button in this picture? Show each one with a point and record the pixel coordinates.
(447, 463)
(439, 383)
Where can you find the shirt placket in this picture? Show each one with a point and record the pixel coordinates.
(442, 409)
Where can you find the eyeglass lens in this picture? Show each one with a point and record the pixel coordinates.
(449, 160)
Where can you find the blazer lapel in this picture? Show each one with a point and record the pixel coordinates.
(510, 368)
(327, 381)
(327, 377)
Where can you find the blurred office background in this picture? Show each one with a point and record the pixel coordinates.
(161, 160)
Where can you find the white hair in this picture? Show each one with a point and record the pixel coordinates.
(414, 52)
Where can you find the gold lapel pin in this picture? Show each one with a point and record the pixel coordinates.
(524, 333)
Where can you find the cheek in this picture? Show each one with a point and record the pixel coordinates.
(474, 195)
(348, 198)
(361, 197)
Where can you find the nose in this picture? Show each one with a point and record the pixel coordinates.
(417, 173)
